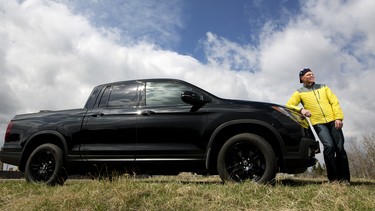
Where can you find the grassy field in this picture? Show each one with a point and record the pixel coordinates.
(187, 192)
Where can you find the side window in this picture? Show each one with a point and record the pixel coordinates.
(165, 93)
(104, 98)
(125, 95)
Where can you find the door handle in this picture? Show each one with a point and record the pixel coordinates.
(97, 114)
(147, 113)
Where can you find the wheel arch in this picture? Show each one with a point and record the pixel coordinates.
(39, 138)
(231, 128)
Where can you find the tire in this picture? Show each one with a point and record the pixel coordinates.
(247, 156)
(45, 165)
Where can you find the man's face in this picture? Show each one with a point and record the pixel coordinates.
(308, 78)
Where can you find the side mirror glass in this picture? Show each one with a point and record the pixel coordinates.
(193, 98)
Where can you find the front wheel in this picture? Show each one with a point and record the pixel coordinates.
(247, 157)
(45, 165)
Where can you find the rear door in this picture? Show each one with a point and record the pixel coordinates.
(110, 128)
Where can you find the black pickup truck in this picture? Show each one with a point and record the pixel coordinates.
(159, 126)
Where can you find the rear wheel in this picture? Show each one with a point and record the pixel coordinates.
(45, 165)
(247, 157)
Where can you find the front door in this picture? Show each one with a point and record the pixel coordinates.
(168, 131)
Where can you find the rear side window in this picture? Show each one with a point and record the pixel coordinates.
(123, 95)
(105, 95)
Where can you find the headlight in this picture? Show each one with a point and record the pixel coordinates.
(292, 115)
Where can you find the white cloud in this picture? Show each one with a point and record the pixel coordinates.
(229, 55)
(334, 38)
(132, 21)
(51, 56)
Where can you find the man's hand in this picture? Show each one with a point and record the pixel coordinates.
(305, 113)
(338, 124)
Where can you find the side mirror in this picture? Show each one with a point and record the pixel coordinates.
(193, 98)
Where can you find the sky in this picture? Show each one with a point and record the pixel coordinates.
(53, 52)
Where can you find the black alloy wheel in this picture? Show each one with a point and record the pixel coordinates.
(45, 165)
(247, 157)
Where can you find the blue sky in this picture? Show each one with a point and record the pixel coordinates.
(238, 21)
(53, 52)
(185, 26)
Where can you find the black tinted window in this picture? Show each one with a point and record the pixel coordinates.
(104, 98)
(164, 93)
(126, 95)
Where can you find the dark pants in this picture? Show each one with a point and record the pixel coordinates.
(335, 156)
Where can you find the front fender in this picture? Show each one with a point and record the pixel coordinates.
(252, 123)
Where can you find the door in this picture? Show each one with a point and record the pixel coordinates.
(169, 133)
(110, 128)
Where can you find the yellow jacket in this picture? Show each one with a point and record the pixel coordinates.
(319, 100)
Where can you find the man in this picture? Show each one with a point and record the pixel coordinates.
(323, 108)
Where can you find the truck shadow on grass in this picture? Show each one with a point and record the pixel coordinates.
(308, 181)
(199, 179)
(292, 181)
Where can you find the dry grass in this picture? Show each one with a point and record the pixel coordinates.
(187, 192)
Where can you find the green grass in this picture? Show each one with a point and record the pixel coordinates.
(187, 192)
